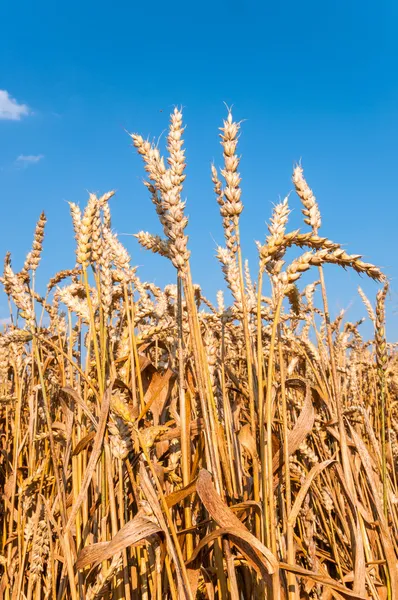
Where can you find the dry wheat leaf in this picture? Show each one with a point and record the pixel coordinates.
(79, 400)
(389, 551)
(150, 493)
(95, 454)
(135, 531)
(157, 393)
(83, 443)
(316, 469)
(242, 542)
(224, 517)
(247, 441)
(193, 578)
(181, 494)
(323, 579)
(301, 429)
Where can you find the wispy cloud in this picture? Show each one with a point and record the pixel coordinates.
(5, 321)
(10, 109)
(25, 160)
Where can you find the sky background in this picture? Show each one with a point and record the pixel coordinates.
(314, 81)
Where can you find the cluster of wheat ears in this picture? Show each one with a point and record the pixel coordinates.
(156, 446)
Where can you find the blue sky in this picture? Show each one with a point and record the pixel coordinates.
(313, 81)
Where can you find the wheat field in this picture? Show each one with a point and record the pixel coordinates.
(154, 445)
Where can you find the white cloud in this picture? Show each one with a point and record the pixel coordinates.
(10, 109)
(5, 321)
(29, 159)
